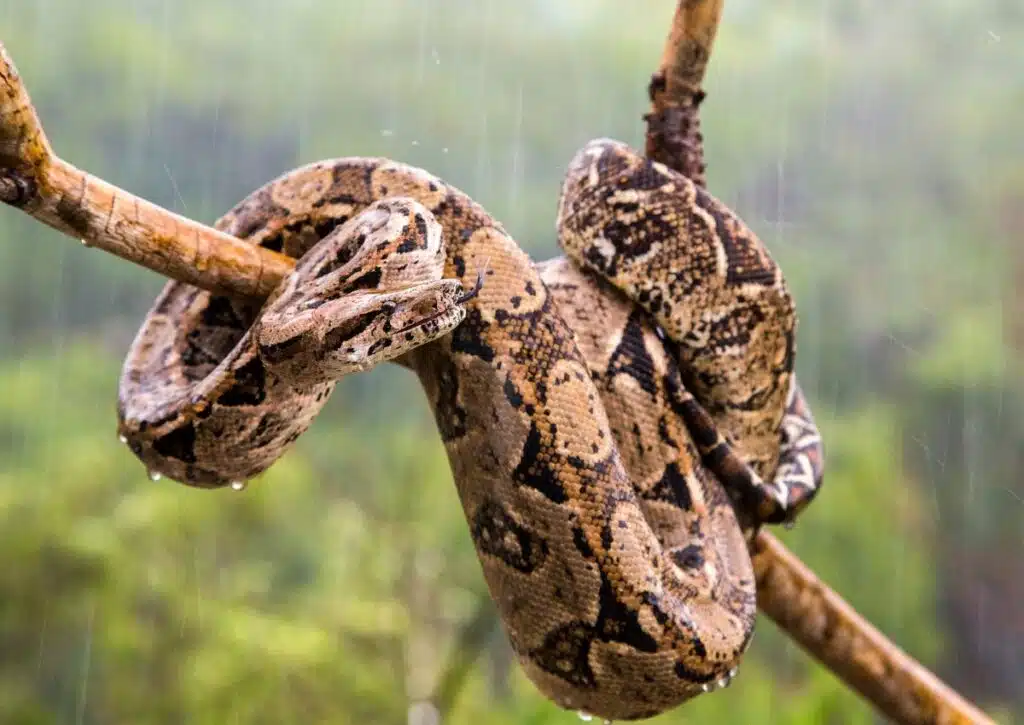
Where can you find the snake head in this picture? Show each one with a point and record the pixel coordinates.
(367, 293)
(360, 330)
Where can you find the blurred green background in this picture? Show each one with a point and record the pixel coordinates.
(875, 147)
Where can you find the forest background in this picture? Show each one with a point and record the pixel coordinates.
(875, 148)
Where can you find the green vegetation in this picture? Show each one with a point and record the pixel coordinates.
(878, 154)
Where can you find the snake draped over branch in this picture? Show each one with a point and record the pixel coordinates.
(619, 422)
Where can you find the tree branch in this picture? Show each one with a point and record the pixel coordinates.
(53, 191)
(673, 123)
(36, 181)
(789, 593)
(833, 633)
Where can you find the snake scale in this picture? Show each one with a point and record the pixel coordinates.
(579, 400)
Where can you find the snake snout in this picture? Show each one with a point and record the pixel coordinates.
(399, 321)
(424, 313)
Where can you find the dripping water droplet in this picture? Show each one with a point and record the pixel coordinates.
(155, 476)
(123, 438)
(585, 716)
(706, 687)
(238, 485)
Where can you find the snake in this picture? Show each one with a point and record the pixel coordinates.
(618, 420)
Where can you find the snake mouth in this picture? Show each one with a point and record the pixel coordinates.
(440, 315)
(453, 309)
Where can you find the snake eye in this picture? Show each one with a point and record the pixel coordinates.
(690, 557)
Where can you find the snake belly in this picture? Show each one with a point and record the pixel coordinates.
(616, 561)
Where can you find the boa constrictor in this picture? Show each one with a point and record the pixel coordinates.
(562, 392)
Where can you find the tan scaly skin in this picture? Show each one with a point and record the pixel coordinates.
(616, 561)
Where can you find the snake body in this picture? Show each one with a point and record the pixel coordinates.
(566, 395)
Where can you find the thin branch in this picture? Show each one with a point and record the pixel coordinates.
(673, 123)
(831, 630)
(36, 181)
(53, 191)
(789, 593)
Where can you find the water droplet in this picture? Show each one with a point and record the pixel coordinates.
(444, 150)
(585, 716)
(85, 243)
(123, 438)
(155, 475)
(706, 687)
(724, 682)
(238, 485)
(733, 671)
